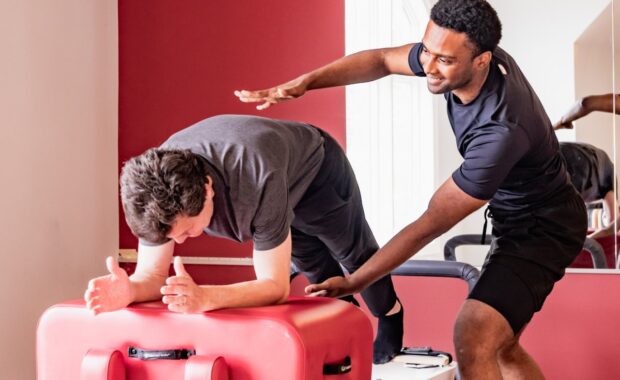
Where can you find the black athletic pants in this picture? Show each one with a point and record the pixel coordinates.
(330, 229)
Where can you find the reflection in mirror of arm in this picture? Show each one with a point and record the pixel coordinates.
(603, 103)
(586, 105)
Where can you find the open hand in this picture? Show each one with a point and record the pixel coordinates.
(110, 292)
(274, 95)
(181, 293)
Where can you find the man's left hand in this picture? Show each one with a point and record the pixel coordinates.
(181, 293)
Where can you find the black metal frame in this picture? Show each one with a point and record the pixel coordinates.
(590, 245)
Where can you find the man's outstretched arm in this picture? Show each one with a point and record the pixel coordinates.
(364, 66)
(448, 206)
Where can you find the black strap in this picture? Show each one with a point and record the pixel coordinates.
(138, 353)
(338, 368)
(487, 213)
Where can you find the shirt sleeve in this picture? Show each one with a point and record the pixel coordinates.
(150, 244)
(414, 60)
(489, 158)
(274, 213)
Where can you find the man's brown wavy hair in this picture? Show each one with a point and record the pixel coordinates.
(157, 187)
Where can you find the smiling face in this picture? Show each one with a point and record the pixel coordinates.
(449, 60)
(192, 226)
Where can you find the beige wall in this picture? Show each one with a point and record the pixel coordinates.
(58, 161)
(593, 75)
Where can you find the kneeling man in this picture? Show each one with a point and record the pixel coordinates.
(287, 186)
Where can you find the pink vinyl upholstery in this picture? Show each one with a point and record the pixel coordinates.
(102, 364)
(301, 339)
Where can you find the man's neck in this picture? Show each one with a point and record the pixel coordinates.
(468, 93)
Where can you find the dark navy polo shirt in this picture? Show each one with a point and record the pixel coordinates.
(511, 154)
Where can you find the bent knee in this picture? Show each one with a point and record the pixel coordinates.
(511, 351)
(481, 330)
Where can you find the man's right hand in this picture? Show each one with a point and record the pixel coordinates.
(563, 125)
(110, 292)
(333, 287)
(274, 95)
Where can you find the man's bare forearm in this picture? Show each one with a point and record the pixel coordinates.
(405, 244)
(360, 67)
(448, 206)
(146, 287)
(603, 103)
(364, 66)
(151, 271)
(244, 294)
(591, 103)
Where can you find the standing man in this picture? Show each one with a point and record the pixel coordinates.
(284, 185)
(511, 158)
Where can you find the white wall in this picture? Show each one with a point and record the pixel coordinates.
(58, 195)
(390, 129)
(540, 35)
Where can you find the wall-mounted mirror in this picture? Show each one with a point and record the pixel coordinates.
(616, 106)
(564, 49)
(594, 75)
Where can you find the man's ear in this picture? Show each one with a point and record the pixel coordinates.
(483, 59)
(209, 193)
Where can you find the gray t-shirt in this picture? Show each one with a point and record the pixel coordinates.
(260, 169)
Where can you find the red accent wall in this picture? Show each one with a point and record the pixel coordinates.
(180, 61)
(574, 337)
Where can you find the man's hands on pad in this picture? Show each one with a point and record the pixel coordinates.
(113, 291)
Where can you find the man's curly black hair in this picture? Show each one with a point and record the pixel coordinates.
(476, 18)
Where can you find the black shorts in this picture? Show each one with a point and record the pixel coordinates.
(529, 254)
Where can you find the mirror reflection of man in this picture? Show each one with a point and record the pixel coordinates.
(286, 186)
(590, 168)
(511, 157)
(592, 173)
